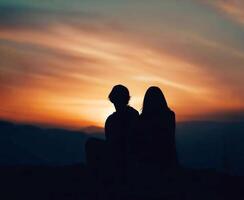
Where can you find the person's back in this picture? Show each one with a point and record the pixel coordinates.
(157, 138)
(153, 162)
(155, 134)
(107, 160)
(118, 128)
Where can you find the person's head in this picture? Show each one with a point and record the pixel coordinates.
(154, 101)
(119, 96)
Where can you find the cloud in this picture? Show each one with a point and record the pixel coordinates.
(232, 8)
(220, 65)
(41, 19)
(175, 85)
(29, 17)
(64, 63)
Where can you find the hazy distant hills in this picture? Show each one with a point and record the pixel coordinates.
(93, 130)
(25, 144)
(218, 145)
(213, 145)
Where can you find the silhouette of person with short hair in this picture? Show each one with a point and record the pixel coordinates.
(119, 127)
(154, 141)
(111, 155)
(119, 124)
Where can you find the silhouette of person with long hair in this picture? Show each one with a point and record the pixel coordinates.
(154, 141)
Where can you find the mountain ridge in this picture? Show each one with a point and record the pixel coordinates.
(199, 145)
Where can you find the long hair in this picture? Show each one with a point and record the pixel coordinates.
(154, 102)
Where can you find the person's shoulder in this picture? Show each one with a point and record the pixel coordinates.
(110, 118)
(133, 111)
(172, 114)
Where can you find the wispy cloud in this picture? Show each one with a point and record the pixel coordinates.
(59, 65)
(175, 85)
(232, 8)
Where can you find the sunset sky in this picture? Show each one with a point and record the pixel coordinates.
(59, 59)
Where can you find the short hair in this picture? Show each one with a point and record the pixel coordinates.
(119, 94)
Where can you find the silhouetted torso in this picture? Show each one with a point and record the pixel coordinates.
(154, 141)
(118, 128)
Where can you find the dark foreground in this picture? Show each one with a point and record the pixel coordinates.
(74, 182)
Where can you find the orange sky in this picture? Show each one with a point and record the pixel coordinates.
(61, 73)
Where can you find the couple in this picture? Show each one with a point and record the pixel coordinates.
(130, 137)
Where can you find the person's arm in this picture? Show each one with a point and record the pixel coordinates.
(107, 129)
(112, 137)
(173, 138)
(173, 121)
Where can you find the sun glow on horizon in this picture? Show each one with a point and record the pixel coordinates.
(61, 72)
